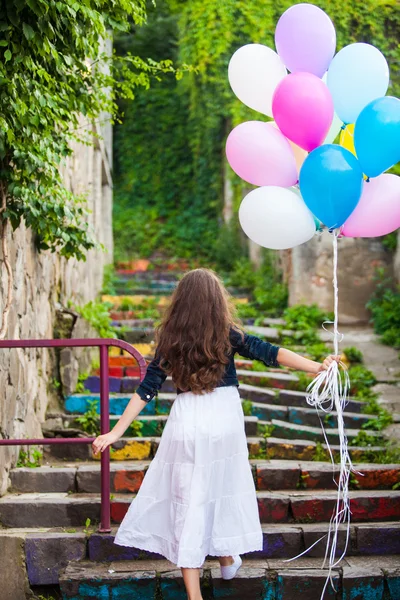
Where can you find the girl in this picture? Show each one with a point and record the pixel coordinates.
(198, 496)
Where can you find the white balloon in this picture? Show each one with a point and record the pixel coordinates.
(276, 218)
(254, 72)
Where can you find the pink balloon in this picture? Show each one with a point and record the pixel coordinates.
(303, 109)
(261, 155)
(378, 210)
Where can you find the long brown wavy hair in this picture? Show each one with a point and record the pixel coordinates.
(193, 338)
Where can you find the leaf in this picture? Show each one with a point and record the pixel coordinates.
(7, 55)
(28, 31)
(3, 42)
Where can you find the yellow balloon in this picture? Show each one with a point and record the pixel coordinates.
(347, 138)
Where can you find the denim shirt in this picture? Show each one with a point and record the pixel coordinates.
(248, 346)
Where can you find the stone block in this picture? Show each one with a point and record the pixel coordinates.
(69, 452)
(13, 576)
(277, 476)
(52, 510)
(129, 384)
(378, 477)
(362, 584)
(273, 508)
(280, 543)
(115, 372)
(128, 480)
(48, 553)
(392, 577)
(248, 583)
(92, 384)
(305, 583)
(312, 533)
(172, 586)
(101, 548)
(258, 394)
(267, 412)
(376, 506)
(320, 477)
(380, 539)
(308, 509)
(82, 582)
(43, 479)
(289, 449)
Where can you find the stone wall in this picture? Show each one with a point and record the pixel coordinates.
(43, 284)
(309, 269)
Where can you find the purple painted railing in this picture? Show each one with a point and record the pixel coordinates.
(103, 345)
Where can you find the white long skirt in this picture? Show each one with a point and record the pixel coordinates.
(198, 496)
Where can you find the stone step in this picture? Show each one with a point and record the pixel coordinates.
(60, 509)
(287, 397)
(47, 550)
(143, 448)
(126, 477)
(265, 407)
(152, 425)
(267, 579)
(268, 378)
(296, 449)
(285, 430)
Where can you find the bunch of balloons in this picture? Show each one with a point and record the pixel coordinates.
(302, 176)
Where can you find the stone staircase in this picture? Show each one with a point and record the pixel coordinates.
(52, 511)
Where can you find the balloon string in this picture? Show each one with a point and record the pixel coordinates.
(329, 392)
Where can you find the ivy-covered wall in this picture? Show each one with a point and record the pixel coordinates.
(169, 149)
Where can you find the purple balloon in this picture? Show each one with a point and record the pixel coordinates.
(305, 39)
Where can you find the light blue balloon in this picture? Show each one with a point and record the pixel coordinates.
(331, 182)
(377, 136)
(358, 74)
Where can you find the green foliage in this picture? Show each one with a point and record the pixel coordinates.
(364, 439)
(372, 407)
(56, 79)
(385, 310)
(268, 294)
(90, 420)
(247, 406)
(361, 380)
(353, 355)
(80, 386)
(31, 458)
(305, 317)
(320, 454)
(136, 428)
(266, 431)
(317, 351)
(389, 241)
(98, 315)
(109, 280)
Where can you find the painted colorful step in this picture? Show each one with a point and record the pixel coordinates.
(296, 449)
(290, 431)
(303, 506)
(299, 416)
(126, 477)
(271, 580)
(48, 550)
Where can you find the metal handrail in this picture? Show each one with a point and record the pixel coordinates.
(103, 345)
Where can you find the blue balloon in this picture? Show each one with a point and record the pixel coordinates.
(358, 74)
(377, 135)
(331, 182)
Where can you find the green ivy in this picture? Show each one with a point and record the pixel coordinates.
(385, 311)
(171, 200)
(98, 315)
(54, 72)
